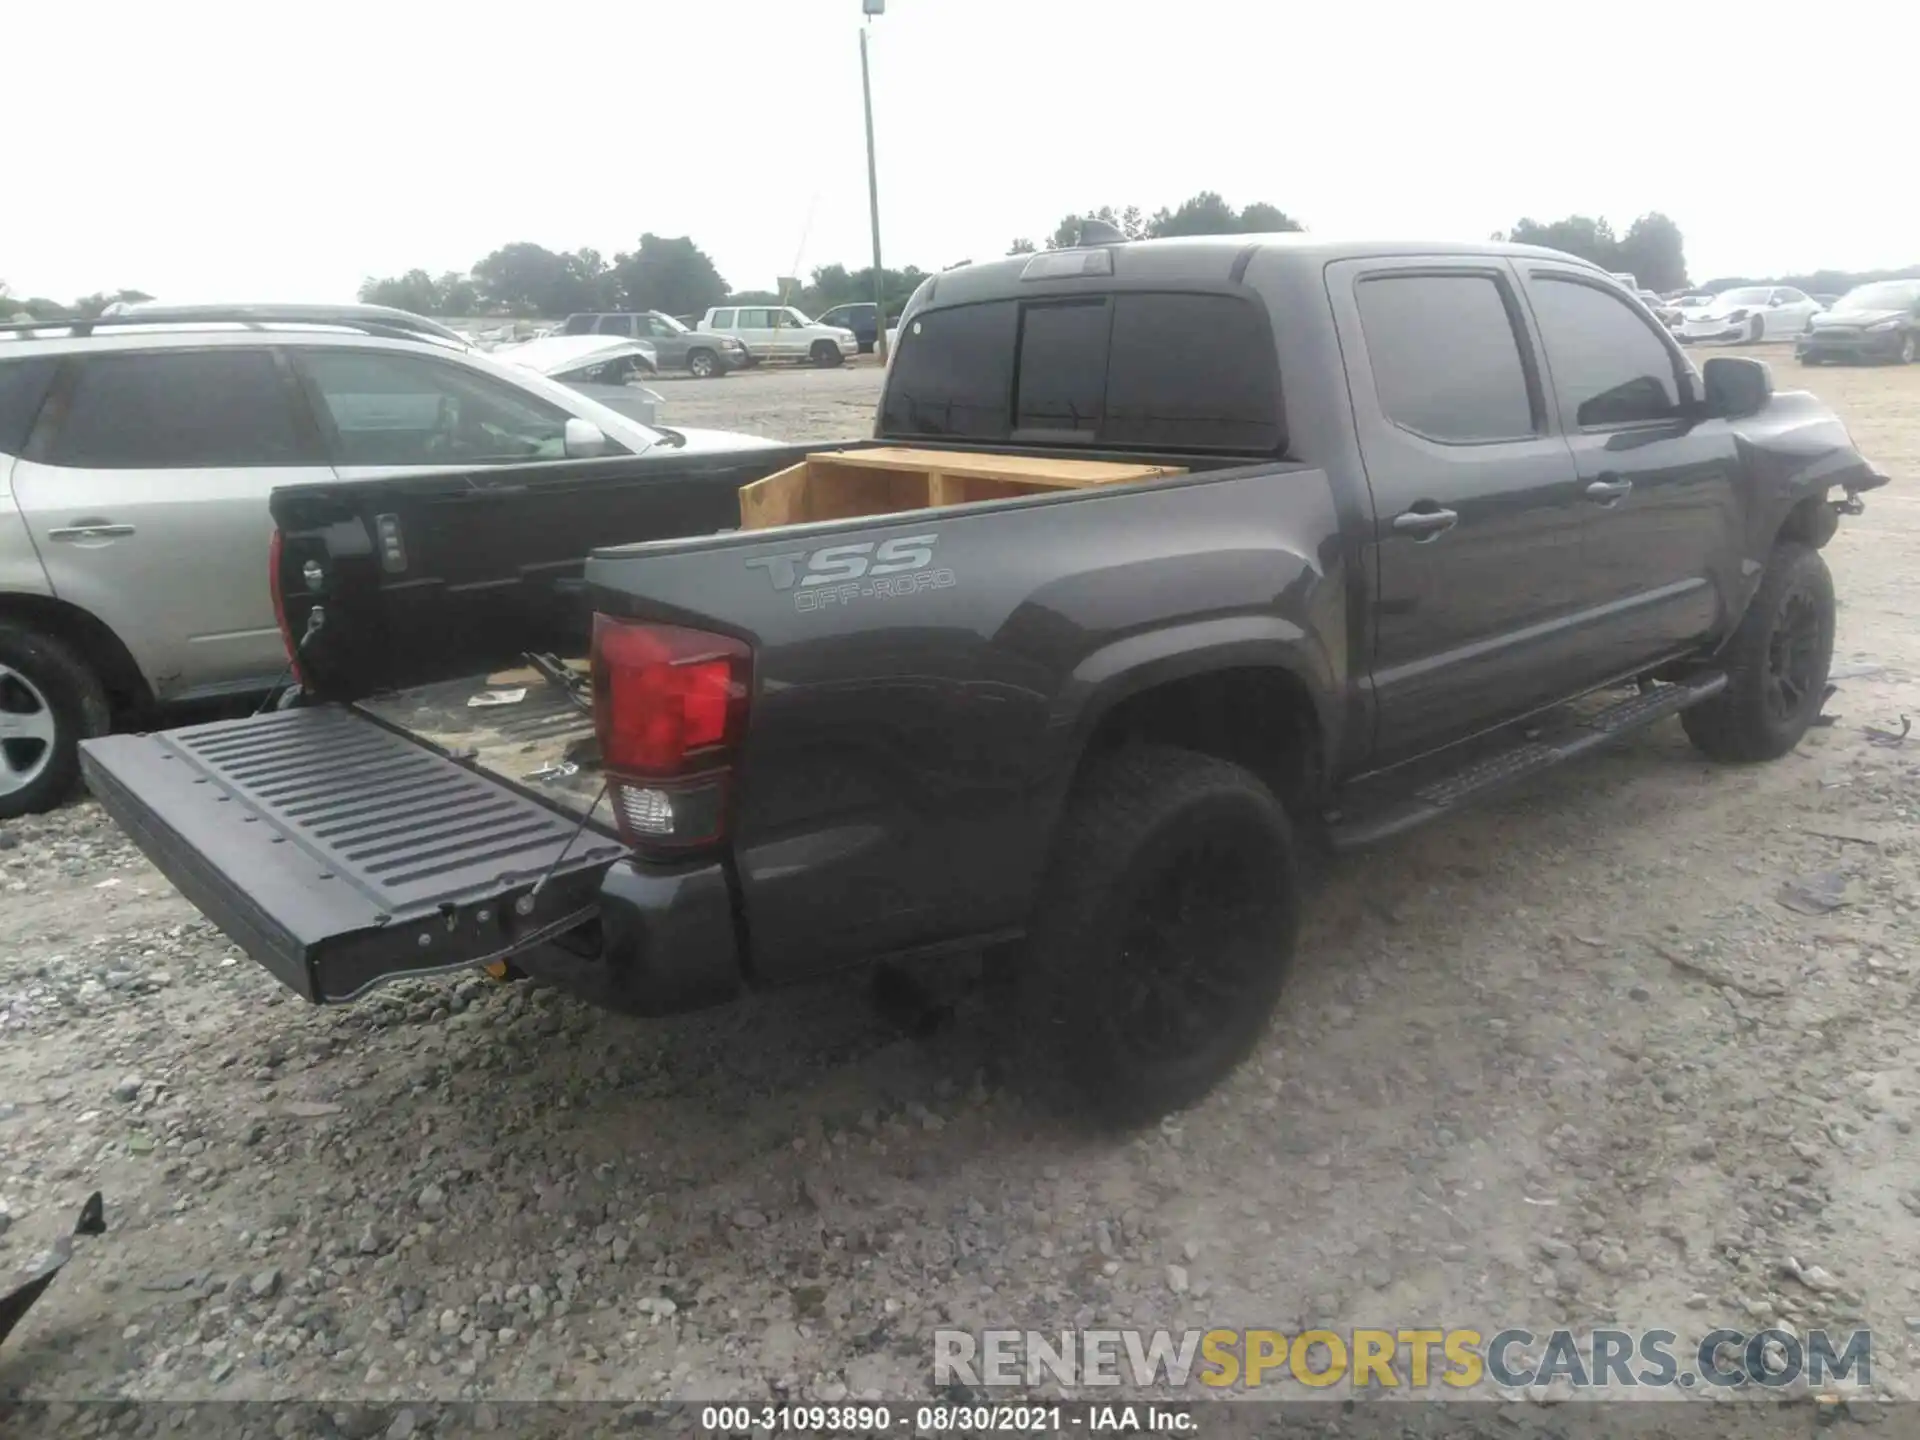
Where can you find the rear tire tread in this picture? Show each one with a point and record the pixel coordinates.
(1117, 808)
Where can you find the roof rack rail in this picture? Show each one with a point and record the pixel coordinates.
(373, 319)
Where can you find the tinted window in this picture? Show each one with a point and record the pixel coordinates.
(390, 409)
(755, 320)
(179, 409)
(23, 385)
(953, 373)
(1174, 371)
(1608, 366)
(1063, 367)
(616, 325)
(722, 320)
(1192, 372)
(578, 325)
(1445, 361)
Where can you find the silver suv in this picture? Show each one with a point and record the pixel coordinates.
(137, 452)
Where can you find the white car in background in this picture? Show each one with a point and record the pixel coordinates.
(601, 367)
(780, 332)
(1751, 313)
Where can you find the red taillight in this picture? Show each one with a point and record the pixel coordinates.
(275, 552)
(669, 706)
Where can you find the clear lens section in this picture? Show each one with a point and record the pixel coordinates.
(678, 816)
(646, 812)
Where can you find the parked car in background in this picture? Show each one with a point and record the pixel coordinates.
(1751, 313)
(601, 367)
(1662, 311)
(859, 316)
(137, 452)
(676, 346)
(1880, 321)
(780, 332)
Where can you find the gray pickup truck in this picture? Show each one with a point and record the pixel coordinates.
(1422, 520)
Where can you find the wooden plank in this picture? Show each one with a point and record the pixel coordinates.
(1034, 469)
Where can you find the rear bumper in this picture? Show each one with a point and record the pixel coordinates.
(668, 943)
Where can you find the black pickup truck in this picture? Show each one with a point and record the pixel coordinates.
(1447, 515)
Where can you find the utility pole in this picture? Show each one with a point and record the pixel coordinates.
(871, 9)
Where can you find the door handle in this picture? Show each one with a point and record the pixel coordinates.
(1425, 524)
(1608, 492)
(97, 530)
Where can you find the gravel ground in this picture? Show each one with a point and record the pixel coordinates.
(1565, 1060)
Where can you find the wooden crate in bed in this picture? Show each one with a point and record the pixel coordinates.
(842, 484)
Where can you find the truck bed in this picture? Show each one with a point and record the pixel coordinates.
(531, 741)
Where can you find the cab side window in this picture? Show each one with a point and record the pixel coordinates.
(1445, 359)
(1608, 366)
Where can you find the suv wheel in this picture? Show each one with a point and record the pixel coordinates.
(1162, 936)
(826, 354)
(49, 701)
(703, 364)
(1776, 662)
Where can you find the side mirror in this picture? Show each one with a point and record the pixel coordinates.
(585, 440)
(1736, 386)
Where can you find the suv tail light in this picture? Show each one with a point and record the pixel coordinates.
(669, 707)
(275, 554)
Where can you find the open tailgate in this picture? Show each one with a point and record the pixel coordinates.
(339, 853)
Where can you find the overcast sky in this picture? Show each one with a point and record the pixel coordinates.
(206, 151)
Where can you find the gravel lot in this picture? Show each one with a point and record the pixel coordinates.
(1566, 1060)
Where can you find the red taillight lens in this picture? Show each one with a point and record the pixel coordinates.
(669, 706)
(666, 700)
(275, 553)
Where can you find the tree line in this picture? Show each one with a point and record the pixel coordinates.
(674, 275)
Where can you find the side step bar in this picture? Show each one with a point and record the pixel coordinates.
(1441, 795)
(339, 853)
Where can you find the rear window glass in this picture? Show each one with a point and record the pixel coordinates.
(1063, 368)
(23, 386)
(180, 409)
(1167, 371)
(954, 373)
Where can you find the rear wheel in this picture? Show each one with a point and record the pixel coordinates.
(1162, 937)
(1909, 348)
(1756, 330)
(826, 354)
(50, 701)
(703, 364)
(1776, 662)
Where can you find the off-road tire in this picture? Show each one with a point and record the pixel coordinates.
(1754, 718)
(1143, 823)
(72, 695)
(826, 354)
(704, 365)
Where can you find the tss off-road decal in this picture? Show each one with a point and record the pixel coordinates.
(842, 574)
